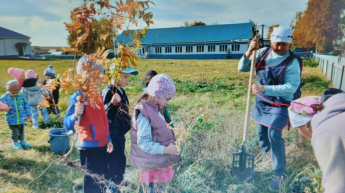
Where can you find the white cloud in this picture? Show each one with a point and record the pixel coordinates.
(60, 8)
(44, 23)
(42, 32)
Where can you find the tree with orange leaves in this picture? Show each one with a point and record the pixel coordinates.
(320, 25)
(85, 84)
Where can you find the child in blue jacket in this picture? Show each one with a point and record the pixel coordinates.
(19, 112)
(93, 138)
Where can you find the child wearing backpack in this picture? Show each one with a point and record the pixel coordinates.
(17, 113)
(152, 142)
(35, 95)
(116, 106)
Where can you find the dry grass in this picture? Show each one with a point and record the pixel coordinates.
(206, 158)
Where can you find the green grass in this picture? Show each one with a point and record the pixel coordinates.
(206, 155)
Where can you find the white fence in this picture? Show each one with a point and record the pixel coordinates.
(333, 68)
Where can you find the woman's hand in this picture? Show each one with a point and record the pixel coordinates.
(110, 147)
(254, 45)
(256, 88)
(171, 149)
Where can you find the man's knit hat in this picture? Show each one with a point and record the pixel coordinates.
(30, 74)
(13, 86)
(148, 76)
(15, 72)
(281, 34)
(49, 72)
(161, 86)
(329, 92)
(86, 60)
(302, 110)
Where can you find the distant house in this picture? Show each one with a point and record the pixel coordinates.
(13, 44)
(195, 42)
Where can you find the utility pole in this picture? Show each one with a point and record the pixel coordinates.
(262, 36)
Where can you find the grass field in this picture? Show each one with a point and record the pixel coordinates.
(210, 103)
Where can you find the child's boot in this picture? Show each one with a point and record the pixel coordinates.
(17, 146)
(25, 144)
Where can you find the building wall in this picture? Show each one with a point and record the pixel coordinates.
(8, 47)
(174, 51)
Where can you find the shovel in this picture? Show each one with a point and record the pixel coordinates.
(243, 162)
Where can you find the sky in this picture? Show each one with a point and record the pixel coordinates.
(43, 20)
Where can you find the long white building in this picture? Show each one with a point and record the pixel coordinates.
(194, 42)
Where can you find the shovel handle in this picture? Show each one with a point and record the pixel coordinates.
(249, 97)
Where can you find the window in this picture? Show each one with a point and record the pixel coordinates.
(158, 50)
(178, 49)
(200, 49)
(211, 48)
(167, 49)
(189, 49)
(223, 48)
(235, 47)
(146, 50)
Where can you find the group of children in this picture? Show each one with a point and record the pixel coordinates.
(23, 99)
(101, 141)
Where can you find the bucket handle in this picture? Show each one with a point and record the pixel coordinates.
(51, 138)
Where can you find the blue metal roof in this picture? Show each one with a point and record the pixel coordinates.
(206, 33)
(6, 33)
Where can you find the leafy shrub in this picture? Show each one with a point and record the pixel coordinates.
(314, 83)
(310, 63)
(217, 85)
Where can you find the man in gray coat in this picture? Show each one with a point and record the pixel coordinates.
(328, 140)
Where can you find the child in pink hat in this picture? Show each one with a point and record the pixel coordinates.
(18, 74)
(152, 142)
(34, 93)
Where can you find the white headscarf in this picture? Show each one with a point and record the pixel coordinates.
(281, 34)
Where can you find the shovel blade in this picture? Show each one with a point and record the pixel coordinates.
(243, 165)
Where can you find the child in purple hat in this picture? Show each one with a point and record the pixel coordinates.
(152, 142)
